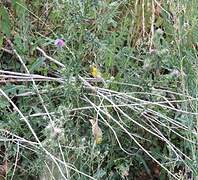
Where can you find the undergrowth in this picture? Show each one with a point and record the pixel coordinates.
(134, 117)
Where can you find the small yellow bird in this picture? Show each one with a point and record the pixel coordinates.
(96, 131)
(95, 72)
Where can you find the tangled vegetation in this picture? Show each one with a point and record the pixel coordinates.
(98, 89)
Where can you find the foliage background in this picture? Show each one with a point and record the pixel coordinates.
(145, 104)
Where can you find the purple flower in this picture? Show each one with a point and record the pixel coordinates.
(59, 42)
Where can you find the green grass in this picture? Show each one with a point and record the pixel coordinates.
(145, 103)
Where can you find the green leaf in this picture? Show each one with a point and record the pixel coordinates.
(3, 103)
(1, 40)
(37, 64)
(5, 21)
(12, 89)
(100, 173)
(19, 7)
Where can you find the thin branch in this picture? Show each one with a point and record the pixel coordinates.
(50, 58)
(16, 160)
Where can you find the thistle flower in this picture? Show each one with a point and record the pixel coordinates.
(59, 43)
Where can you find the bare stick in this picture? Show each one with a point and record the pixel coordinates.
(6, 50)
(16, 160)
(50, 58)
